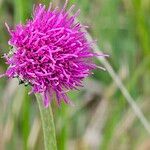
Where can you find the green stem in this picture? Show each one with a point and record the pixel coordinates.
(47, 125)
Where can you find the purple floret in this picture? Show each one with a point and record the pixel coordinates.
(51, 53)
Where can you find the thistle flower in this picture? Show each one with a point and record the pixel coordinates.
(51, 53)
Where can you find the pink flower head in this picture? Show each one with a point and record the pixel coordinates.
(51, 53)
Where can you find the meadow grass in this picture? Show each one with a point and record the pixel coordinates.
(122, 30)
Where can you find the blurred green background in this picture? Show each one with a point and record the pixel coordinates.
(101, 119)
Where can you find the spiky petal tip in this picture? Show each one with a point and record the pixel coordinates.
(51, 53)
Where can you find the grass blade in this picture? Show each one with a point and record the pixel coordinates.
(121, 86)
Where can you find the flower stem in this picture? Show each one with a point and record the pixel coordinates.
(47, 125)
